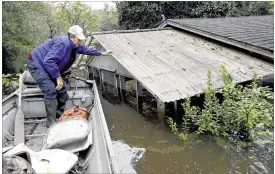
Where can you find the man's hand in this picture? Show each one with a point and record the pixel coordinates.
(59, 83)
(107, 53)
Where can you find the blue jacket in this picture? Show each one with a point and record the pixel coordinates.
(58, 54)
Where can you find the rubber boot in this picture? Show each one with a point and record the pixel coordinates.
(51, 106)
(61, 99)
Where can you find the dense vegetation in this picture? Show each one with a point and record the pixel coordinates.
(28, 23)
(142, 14)
(243, 112)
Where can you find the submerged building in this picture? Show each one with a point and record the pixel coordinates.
(158, 68)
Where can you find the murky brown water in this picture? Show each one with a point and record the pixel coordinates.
(166, 154)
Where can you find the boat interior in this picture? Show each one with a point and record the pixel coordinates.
(84, 144)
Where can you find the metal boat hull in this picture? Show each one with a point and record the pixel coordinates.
(98, 158)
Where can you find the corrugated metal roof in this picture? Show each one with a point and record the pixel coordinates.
(253, 32)
(172, 64)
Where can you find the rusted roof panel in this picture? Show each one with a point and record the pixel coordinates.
(172, 64)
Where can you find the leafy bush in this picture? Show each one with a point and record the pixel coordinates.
(136, 14)
(245, 111)
(9, 83)
(9, 52)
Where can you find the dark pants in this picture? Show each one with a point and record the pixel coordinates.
(54, 100)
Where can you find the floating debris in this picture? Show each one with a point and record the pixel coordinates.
(126, 156)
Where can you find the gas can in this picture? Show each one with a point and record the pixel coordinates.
(74, 112)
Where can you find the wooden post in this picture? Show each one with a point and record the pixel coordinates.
(115, 81)
(140, 97)
(137, 93)
(176, 109)
(121, 86)
(93, 72)
(102, 79)
(86, 72)
(100, 76)
(160, 110)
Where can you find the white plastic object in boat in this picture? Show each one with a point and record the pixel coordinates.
(66, 132)
(47, 161)
(54, 161)
(79, 145)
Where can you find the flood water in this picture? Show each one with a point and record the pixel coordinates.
(164, 153)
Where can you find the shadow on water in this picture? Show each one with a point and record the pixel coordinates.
(166, 154)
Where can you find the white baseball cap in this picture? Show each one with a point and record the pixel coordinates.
(77, 31)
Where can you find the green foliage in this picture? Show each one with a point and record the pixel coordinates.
(183, 136)
(10, 80)
(141, 15)
(174, 129)
(138, 14)
(5, 81)
(8, 57)
(247, 8)
(211, 9)
(21, 21)
(178, 9)
(172, 125)
(27, 24)
(77, 13)
(271, 7)
(243, 143)
(109, 19)
(244, 111)
(9, 83)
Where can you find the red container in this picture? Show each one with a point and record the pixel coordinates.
(74, 112)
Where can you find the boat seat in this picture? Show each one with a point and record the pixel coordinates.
(32, 91)
(29, 85)
(72, 135)
(28, 79)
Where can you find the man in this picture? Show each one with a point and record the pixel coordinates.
(49, 60)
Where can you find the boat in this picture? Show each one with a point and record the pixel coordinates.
(95, 157)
